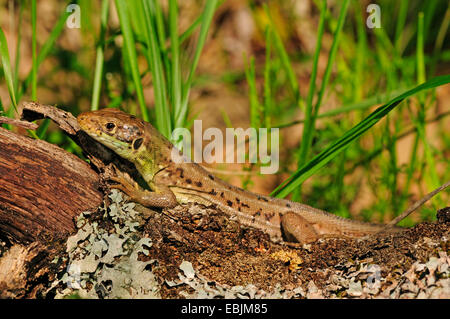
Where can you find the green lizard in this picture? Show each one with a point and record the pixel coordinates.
(172, 183)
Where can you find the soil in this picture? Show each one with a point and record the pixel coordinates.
(219, 249)
(224, 254)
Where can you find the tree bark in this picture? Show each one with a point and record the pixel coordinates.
(42, 188)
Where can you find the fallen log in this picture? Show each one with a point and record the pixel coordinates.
(42, 187)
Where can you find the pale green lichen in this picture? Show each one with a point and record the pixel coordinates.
(106, 265)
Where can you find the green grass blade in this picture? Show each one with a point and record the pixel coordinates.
(130, 47)
(2, 113)
(176, 87)
(332, 55)
(308, 128)
(361, 55)
(138, 22)
(207, 16)
(311, 112)
(312, 81)
(400, 26)
(442, 30)
(45, 49)
(163, 121)
(186, 34)
(342, 143)
(267, 80)
(96, 90)
(159, 22)
(4, 53)
(419, 50)
(432, 176)
(42, 129)
(284, 57)
(34, 65)
(253, 94)
(361, 105)
(430, 8)
(54, 34)
(18, 51)
(437, 51)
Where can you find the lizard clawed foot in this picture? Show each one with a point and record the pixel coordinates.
(124, 186)
(161, 197)
(122, 181)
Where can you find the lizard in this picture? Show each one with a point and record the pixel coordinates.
(173, 182)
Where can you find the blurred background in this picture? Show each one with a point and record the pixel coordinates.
(237, 63)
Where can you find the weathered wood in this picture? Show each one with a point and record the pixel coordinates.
(18, 123)
(99, 155)
(42, 188)
(66, 121)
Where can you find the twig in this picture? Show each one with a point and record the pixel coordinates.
(19, 123)
(417, 204)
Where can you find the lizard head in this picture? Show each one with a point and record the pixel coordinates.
(121, 132)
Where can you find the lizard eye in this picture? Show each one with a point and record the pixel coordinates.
(137, 143)
(110, 126)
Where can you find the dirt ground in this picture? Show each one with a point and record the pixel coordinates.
(243, 257)
(193, 251)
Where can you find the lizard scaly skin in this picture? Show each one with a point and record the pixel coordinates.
(173, 182)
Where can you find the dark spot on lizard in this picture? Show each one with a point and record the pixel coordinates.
(262, 198)
(213, 192)
(268, 216)
(288, 205)
(211, 177)
(189, 181)
(230, 203)
(237, 200)
(221, 195)
(245, 205)
(181, 172)
(199, 184)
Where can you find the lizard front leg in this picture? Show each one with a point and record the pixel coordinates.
(162, 197)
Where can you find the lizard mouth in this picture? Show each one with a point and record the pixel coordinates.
(93, 128)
